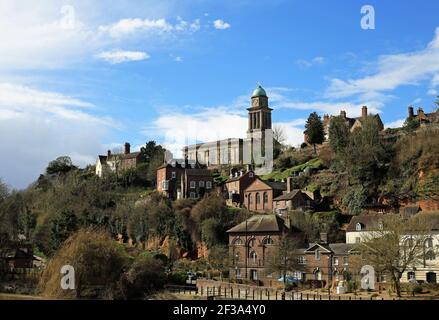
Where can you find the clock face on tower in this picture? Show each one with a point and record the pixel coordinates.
(255, 102)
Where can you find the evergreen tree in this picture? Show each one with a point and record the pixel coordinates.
(338, 135)
(314, 130)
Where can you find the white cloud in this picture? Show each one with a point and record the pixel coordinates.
(392, 71)
(211, 124)
(129, 26)
(55, 36)
(221, 24)
(136, 26)
(119, 56)
(395, 124)
(38, 126)
(432, 92)
(280, 97)
(293, 131)
(178, 59)
(309, 63)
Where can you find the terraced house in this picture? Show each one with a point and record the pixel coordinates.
(365, 227)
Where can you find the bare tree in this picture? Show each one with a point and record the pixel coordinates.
(4, 190)
(284, 257)
(279, 134)
(397, 245)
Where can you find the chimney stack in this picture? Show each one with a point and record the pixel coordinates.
(343, 114)
(127, 148)
(364, 112)
(289, 184)
(108, 153)
(411, 112)
(323, 237)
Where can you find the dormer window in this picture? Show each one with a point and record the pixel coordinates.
(380, 225)
(359, 227)
(251, 174)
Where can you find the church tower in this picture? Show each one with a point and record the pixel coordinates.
(259, 114)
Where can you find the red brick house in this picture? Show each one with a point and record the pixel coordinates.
(292, 200)
(327, 263)
(183, 181)
(235, 186)
(259, 195)
(249, 245)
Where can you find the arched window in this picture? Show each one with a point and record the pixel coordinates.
(236, 258)
(250, 198)
(238, 242)
(265, 198)
(258, 198)
(267, 241)
(251, 242)
(359, 227)
(253, 257)
(429, 243)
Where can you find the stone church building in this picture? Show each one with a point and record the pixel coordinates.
(239, 151)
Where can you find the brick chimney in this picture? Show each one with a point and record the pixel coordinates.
(127, 148)
(289, 184)
(323, 237)
(364, 112)
(343, 114)
(411, 112)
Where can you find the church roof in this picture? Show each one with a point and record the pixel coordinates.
(259, 92)
(260, 223)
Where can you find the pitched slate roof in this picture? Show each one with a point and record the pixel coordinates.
(198, 172)
(341, 248)
(276, 185)
(288, 196)
(368, 223)
(371, 222)
(260, 223)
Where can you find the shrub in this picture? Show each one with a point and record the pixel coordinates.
(145, 276)
(96, 259)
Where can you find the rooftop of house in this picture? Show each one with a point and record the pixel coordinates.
(276, 185)
(198, 172)
(239, 177)
(288, 196)
(118, 156)
(372, 222)
(260, 223)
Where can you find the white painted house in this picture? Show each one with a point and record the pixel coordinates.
(363, 227)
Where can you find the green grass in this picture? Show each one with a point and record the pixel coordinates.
(315, 163)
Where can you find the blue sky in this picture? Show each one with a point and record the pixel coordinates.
(80, 77)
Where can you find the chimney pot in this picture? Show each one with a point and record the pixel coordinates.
(343, 114)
